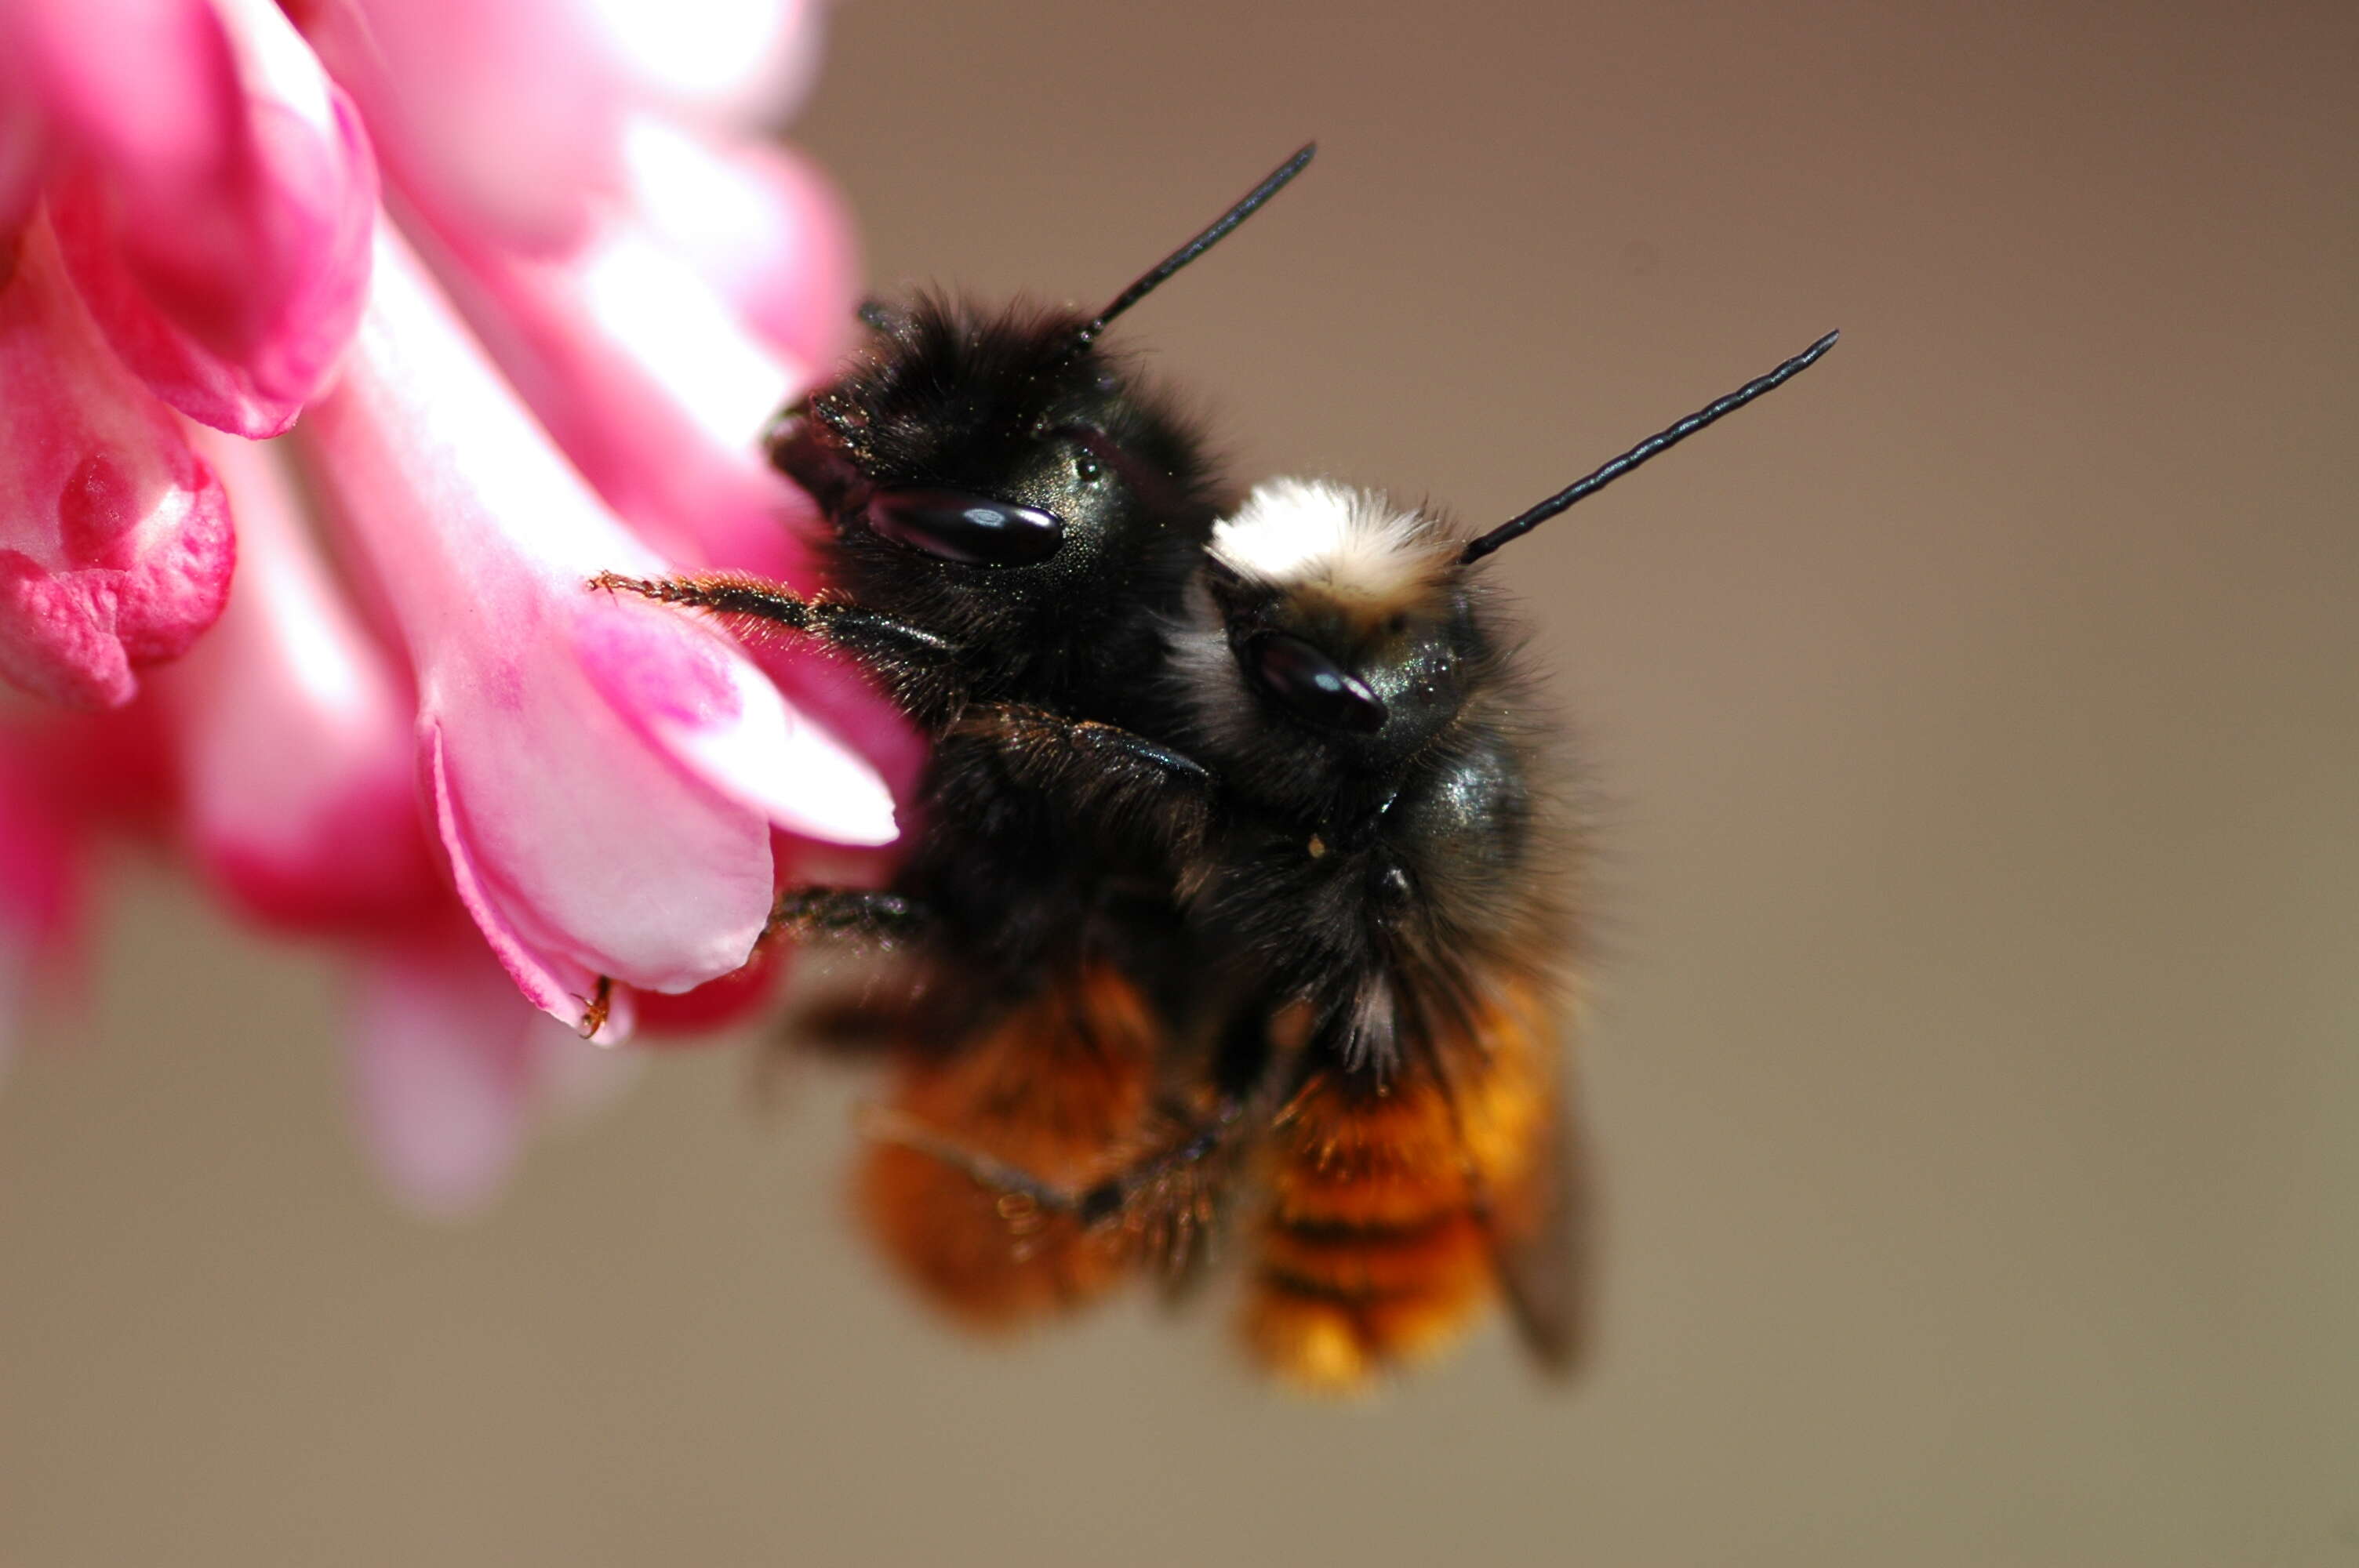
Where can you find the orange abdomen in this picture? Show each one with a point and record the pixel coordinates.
(1059, 1089)
(1390, 1206)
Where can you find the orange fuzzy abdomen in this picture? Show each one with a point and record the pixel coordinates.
(1059, 1089)
(1389, 1206)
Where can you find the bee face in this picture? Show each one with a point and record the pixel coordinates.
(964, 437)
(996, 481)
(1380, 684)
(1331, 632)
(1004, 493)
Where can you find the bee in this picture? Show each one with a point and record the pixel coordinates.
(1014, 515)
(1369, 854)
(1238, 879)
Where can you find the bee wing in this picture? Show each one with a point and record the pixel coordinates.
(1546, 1261)
(1500, 1064)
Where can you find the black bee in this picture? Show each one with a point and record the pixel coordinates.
(1368, 853)
(1015, 513)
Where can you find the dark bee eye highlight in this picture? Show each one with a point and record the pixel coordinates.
(1088, 468)
(1315, 687)
(973, 530)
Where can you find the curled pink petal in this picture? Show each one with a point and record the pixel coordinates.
(116, 546)
(760, 225)
(149, 85)
(226, 252)
(298, 763)
(590, 754)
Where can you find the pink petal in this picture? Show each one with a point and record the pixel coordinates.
(760, 225)
(23, 153)
(41, 883)
(556, 982)
(596, 817)
(695, 1016)
(115, 767)
(690, 697)
(444, 1060)
(650, 384)
(657, 383)
(723, 57)
(224, 251)
(498, 118)
(149, 85)
(297, 761)
(116, 546)
(588, 854)
(848, 701)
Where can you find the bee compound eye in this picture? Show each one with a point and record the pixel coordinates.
(1313, 686)
(973, 530)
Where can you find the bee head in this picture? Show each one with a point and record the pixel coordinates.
(1328, 623)
(994, 470)
(983, 440)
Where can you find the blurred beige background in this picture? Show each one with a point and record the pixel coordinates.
(1976, 720)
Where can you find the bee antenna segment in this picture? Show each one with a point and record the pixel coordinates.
(1598, 479)
(1195, 247)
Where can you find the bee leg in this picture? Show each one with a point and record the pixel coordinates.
(882, 920)
(887, 1125)
(1099, 770)
(595, 1007)
(735, 596)
(1157, 1185)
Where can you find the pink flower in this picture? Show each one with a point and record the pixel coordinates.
(640, 375)
(604, 775)
(41, 888)
(297, 773)
(434, 746)
(212, 191)
(504, 117)
(115, 538)
(185, 203)
(762, 228)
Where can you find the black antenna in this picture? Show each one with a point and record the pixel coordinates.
(1195, 247)
(1518, 527)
